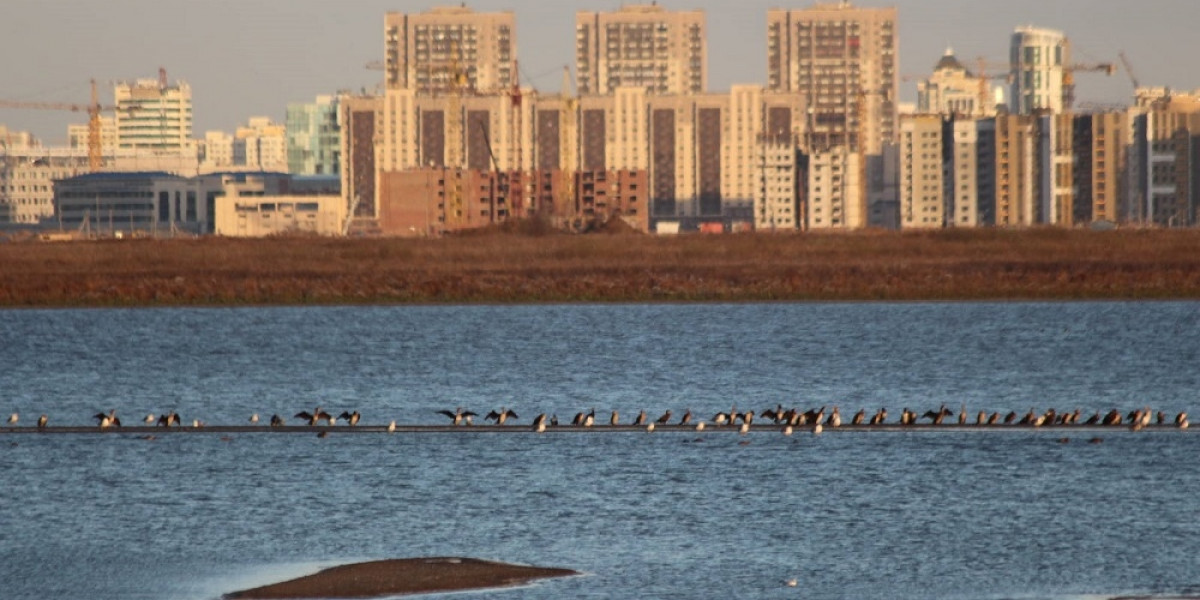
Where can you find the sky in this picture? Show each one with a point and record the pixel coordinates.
(247, 58)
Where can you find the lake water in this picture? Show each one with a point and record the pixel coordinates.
(910, 515)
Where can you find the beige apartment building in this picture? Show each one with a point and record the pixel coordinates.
(844, 60)
(435, 51)
(1168, 131)
(1102, 148)
(641, 46)
(922, 204)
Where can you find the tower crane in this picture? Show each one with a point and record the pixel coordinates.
(93, 110)
(1069, 78)
(1129, 71)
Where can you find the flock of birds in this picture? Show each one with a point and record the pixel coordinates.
(817, 419)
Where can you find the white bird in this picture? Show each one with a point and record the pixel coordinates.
(392, 427)
(42, 421)
(650, 428)
(150, 418)
(745, 428)
(817, 429)
(792, 582)
(700, 426)
(787, 430)
(254, 418)
(12, 419)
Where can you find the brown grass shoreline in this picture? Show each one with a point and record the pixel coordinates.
(953, 265)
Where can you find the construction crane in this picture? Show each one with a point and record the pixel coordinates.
(93, 110)
(1069, 78)
(985, 76)
(1129, 71)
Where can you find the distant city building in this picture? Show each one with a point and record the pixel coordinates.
(1039, 58)
(844, 60)
(77, 136)
(27, 175)
(641, 46)
(313, 137)
(1102, 147)
(360, 135)
(447, 47)
(153, 116)
(1168, 135)
(922, 204)
(151, 203)
(264, 204)
(954, 90)
(834, 190)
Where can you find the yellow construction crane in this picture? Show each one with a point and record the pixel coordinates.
(93, 110)
(1069, 78)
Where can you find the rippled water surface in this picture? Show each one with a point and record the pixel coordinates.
(915, 515)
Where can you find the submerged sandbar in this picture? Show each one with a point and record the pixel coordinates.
(402, 576)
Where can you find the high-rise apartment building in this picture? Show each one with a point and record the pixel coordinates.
(641, 46)
(844, 60)
(1039, 58)
(313, 137)
(447, 47)
(154, 117)
(922, 204)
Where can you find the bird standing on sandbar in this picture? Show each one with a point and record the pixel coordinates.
(42, 422)
(350, 417)
(13, 418)
(664, 419)
(276, 421)
(254, 419)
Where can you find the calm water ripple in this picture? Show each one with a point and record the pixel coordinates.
(951, 515)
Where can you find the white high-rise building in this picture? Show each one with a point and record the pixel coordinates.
(153, 116)
(1038, 59)
(643, 46)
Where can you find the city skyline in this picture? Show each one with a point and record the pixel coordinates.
(249, 59)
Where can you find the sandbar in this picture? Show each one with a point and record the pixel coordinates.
(402, 576)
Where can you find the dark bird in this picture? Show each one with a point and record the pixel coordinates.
(1010, 417)
(539, 423)
(859, 417)
(316, 416)
(880, 417)
(168, 420)
(639, 421)
(42, 422)
(1112, 418)
(109, 420)
(663, 420)
(459, 416)
(939, 416)
(686, 418)
(500, 417)
(615, 419)
(350, 417)
(1181, 421)
(276, 421)
(994, 418)
(1092, 420)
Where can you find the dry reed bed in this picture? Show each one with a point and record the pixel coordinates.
(945, 265)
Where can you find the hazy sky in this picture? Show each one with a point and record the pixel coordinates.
(251, 57)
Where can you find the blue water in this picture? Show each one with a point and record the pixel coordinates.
(983, 515)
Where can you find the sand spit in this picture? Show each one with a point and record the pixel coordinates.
(402, 576)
